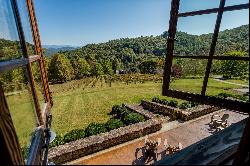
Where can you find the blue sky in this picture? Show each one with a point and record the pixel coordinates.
(79, 22)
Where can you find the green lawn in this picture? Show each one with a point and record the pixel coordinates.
(78, 103)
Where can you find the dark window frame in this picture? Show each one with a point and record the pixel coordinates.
(202, 98)
(10, 147)
(242, 151)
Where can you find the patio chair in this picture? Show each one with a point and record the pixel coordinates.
(223, 120)
(214, 118)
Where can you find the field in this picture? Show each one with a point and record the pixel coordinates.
(80, 102)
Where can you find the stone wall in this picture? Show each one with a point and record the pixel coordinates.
(176, 113)
(89, 145)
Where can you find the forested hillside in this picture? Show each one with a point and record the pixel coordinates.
(140, 55)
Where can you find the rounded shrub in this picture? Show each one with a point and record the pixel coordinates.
(173, 103)
(119, 111)
(133, 118)
(113, 124)
(94, 129)
(74, 135)
(115, 109)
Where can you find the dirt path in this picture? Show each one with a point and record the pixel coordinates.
(227, 82)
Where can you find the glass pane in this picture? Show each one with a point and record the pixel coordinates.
(230, 78)
(9, 45)
(194, 5)
(23, 11)
(194, 35)
(188, 75)
(236, 2)
(38, 83)
(234, 34)
(19, 99)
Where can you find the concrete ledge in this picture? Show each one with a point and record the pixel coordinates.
(89, 145)
(176, 113)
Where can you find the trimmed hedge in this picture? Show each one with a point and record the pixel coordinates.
(74, 135)
(133, 118)
(174, 103)
(94, 129)
(187, 105)
(121, 117)
(239, 97)
(119, 112)
(114, 124)
(57, 141)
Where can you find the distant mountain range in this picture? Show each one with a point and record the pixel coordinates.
(52, 49)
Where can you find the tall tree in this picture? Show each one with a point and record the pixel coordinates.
(60, 69)
(232, 68)
(81, 67)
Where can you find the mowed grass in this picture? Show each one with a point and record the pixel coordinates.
(79, 103)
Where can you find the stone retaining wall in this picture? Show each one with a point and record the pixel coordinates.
(176, 113)
(89, 145)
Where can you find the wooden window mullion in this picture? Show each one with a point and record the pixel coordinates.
(29, 69)
(170, 45)
(213, 46)
(38, 48)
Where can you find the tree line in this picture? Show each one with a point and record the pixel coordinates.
(144, 55)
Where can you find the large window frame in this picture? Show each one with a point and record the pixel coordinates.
(202, 98)
(11, 151)
(242, 152)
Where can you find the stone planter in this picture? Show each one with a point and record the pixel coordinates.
(176, 113)
(89, 145)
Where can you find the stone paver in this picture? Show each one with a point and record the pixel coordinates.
(131, 153)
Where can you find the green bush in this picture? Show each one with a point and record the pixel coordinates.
(239, 97)
(173, 103)
(58, 141)
(156, 100)
(94, 129)
(115, 109)
(194, 104)
(184, 105)
(133, 118)
(119, 111)
(113, 124)
(74, 135)
(164, 102)
(223, 95)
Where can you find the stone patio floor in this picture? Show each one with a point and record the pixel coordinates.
(130, 153)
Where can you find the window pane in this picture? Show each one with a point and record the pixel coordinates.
(38, 83)
(194, 35)
(23, 11)
(193, 5)
(188, 75)
(234, 33)
(236, 2)
(9, 40)
(19, 99)
(229, 77)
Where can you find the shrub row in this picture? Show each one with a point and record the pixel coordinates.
(121, 117)
(174, 103)
(239, 97)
